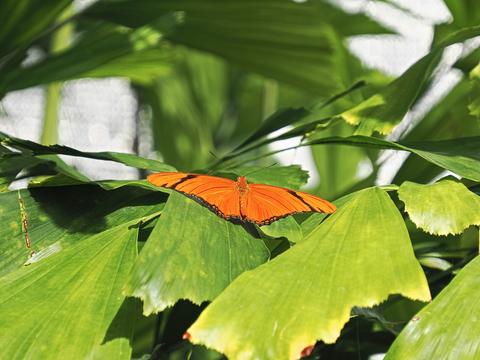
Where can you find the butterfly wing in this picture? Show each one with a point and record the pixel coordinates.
(218, 194)
(265, 204)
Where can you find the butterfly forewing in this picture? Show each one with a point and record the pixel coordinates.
(219, 194)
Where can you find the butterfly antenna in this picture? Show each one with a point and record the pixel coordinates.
(261, 169)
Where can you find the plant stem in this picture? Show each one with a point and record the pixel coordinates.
(60, 41)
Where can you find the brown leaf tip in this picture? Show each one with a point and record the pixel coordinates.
(186, 336)
(307, 351)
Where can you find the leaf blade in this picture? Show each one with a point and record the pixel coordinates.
(239, 320)
(446, 207)
(191, 254)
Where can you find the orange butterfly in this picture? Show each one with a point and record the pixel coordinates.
(260, 204)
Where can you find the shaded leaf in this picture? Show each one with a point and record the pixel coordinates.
(35, 149)
(66, 216)
(134, 54)
(286, 227)
(446, 207)
(191, 254)
(338, 166)
(292, 176)
(449, 118)
(309, 123)
(448, 327)
(79, 291)
(459, 155)
(357, 257)
(20, 25)
(186, 108)
(295, 50)
(274, 122)
(464, 12)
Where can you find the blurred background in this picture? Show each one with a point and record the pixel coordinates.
(194, 105)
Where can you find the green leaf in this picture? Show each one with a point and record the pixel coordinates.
(337, 165)
(10, 166)
(382, 111)
(274, 122)
(121, 11)
(357, 257)
(465, 13)
(458, 155)
(52, 219)
(448, 327)
(141, 66)
(286, 227)
(137, 54)
(187, 106)
(295, 50)
(441, 122)
(124, 158)
(191, 254)
(446, 207)
(474, 106)
(308, 119)
(292, 176)
(315, 219)
(435, 263)
(20, 24)
(78, 290)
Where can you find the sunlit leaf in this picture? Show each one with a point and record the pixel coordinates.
(449, 326)
(446, 207)
(79, 291)
(474, 106)
(382, 111)
(315, 219)
(358, 257)
(435, 263)
(191, 254)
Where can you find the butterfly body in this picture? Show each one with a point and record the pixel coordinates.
(256, 203)
(242, 188)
